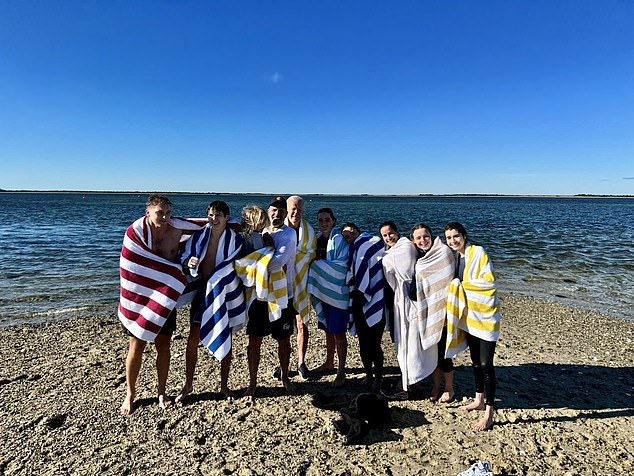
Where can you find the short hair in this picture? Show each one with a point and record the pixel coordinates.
(351, 225)
(298, 199)
(254, 218)
(418, 226)
(329, 211)
(391, 224)
(459, 227)
(156, 199)
(219, 206)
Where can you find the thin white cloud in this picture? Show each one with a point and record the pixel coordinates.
(274, 78)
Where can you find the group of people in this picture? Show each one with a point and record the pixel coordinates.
(269, 272)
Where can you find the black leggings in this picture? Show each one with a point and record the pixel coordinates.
(369, 338)
(483, 372)
(446, 365)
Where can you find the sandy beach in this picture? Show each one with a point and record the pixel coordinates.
(565, 398)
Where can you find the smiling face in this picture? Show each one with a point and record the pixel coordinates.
(325, 223)
(295, 212)
(456, 241)
(276, 216)
(390, 235)
(349, 234)
(159, 215)
(217, 219)
(422, 239)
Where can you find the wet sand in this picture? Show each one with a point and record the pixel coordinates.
(565, 398)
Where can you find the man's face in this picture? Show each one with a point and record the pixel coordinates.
(217, 220)
(349, 234)
(276, 216)
(295, 213)
(159, 215)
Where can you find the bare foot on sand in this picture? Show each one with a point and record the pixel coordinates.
(185, 392)
(446, 397)
(128, 404)
(340, 379)
(435, 394)
(228, 394)
(475, 405)
(164, 401)
(288, 385)
(485, 422)
(325, 367)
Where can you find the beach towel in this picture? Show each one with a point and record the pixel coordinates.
(304, 256)
(150, 284)
(415, 362)
(223, 309)
(261, 283)
(327, 277)
(366, 275)
(472, 305)
(434, 272)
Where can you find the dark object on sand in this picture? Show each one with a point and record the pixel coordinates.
(366, 410)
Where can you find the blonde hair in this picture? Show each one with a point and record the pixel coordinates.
(253, 218)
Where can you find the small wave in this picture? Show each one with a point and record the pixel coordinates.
(56, 312)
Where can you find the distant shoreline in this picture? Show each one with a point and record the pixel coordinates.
(263, 194)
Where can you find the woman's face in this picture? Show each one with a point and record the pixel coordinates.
(422, 239)
(455, 241)
(325, 223)
(390, 236)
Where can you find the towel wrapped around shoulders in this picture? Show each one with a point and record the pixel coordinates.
(366, 275)
(415, 362)
(261, 283)
(327, 277)
(472, 305)
(224, 307)
(304, 256)
(150, 284)
(434, 272)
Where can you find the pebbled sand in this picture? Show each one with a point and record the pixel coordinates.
(565, 390)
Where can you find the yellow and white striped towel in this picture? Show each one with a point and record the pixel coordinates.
(305, 254)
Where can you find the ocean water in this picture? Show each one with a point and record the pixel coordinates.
(60, 251)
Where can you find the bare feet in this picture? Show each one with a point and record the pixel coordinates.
(185, 392)
(475, 405)
(288, 385)
(340, 379)
(164, 401)
(128, 404)
(485, 422)
(447, 397)
(435, 394)
(325, 367)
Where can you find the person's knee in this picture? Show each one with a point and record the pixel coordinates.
(162, 345)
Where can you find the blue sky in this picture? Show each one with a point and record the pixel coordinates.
(512, 97)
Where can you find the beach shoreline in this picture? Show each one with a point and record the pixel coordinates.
(565, 399)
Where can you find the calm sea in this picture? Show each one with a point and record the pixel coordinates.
(60, 251)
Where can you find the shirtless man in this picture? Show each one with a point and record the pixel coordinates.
(259, 325)
(165, 241)
(218, 216)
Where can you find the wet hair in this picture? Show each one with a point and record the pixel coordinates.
(351, 225)
(219, 206)
(254, 218)
(329, 211)
(156, 199)
(418, 226)
(459, 227)
(392, 226)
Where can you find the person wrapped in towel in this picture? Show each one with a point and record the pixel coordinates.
(304, 256)
(218, 308)
(152, 281)
(366, 280)
(415, 362)
(473, 316)
(390, 235)
(329, 292)
(434, 272)
(268, 273)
